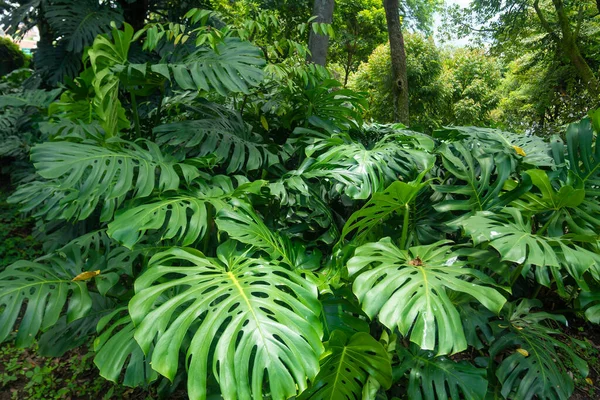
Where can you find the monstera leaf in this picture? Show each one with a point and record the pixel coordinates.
(43, 290)
(583, 151)
(233, 66)
(341, 313)
(511, 235)
(243, 224)
(407, 289)
(248, 319)
(84, 174)
(79, 22)
(223, 133)
(346, 365)
(477, 179)
(184, 217)
(529, 149)
(432, 378)
(357, 171)
(64, 336)
(396, 199)
(534, 363)
(116, 349)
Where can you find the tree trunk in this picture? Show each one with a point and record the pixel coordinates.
(135, 13)
(319, 44)
(398, 57)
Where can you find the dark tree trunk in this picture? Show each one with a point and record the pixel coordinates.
(135, 13)
(398, 57)
(319, 44)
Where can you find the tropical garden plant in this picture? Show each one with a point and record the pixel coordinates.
(214, 218)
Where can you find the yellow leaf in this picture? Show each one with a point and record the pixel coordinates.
(523, 352)
(84, 276)
(589, 381)
(264, 122)
(519, 151)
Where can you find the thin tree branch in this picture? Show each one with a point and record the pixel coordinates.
(542, 18)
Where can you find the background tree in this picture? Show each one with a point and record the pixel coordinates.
(359, 26)
(398, 62)
(427, 94)
(318, 42)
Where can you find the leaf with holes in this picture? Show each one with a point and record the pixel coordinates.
(408, 290)
(541, 369)
(86, 174)
(44, 291)
(248, 319)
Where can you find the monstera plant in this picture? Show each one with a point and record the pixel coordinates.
(189, 240)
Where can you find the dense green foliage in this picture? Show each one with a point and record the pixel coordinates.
(218, 214)
(11, 55)
(457, 87)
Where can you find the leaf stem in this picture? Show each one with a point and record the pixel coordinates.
(136, 115)
(404, 237)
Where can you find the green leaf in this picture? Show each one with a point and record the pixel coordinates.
(341, 313)
(357, 171)
(537, 151)
(243, 224)
(116, 349)
(222, 133)
(64, 336)
(244, 323)
(233, 67)
(583, 151)
(85, 174)
(590, 301)
(562, 206)
(476, 179)
(78, 23)
(407, 289)
(346, 365)
(434, 378)
(395, 199)
(511, 235)
(44, 291)
(542, 373)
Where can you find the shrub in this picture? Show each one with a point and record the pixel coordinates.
(11, 55)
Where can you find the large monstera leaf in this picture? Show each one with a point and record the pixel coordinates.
(535, 363)
(407, 289)
(79, 22)
(222, 133)
(559, 203)
(81, 175)
(44, 290)
(346, 365)
(357, 171)
(512, 236)
(234, 66)
(432, 378)
(529, 149)
(248, 319)
(583, 152)
(476, 179)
